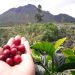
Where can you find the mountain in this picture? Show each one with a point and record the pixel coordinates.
(25, 14)
(64, 18)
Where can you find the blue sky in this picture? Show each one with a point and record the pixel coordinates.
(53, 6)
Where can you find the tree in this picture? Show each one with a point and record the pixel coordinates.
(39, 15)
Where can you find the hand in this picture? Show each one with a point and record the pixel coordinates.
(26, 67)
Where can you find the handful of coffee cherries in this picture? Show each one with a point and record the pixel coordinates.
(12, 54)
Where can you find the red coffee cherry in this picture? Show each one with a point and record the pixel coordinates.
(13, 51)
(17, 41)
(9, 61)
(12, 54)
(21, 48)
(6, 53)
(6, 47)
(17, 59)
(13, 46)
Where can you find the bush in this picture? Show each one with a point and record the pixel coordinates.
(51, 32)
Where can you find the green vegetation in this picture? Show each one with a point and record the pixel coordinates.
(33, 32)
(65, 61)
(50, 50)
(43, 41)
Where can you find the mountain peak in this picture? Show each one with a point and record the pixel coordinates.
(30, 5)
(25, 14)
(21, 9)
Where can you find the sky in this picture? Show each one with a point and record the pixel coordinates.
(53, 6)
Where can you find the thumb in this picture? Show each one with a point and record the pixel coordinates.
(26, 44)
(27, 60)
(10, 41)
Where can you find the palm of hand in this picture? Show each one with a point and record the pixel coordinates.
(26, 67)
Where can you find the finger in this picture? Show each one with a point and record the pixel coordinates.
(23, 39)
(26, 57)
(1, 49)
(26, 44)
(18, 36)
(10, 41)
(27, 60)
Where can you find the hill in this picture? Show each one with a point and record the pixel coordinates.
(25, 14)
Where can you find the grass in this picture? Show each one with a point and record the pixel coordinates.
(37, 31)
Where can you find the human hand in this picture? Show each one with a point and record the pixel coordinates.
(26, 67)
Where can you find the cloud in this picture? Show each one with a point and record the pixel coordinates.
(64, 3)
(53, 6)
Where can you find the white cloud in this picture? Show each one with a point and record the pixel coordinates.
(66, 2)
(69, 9)
(54, 6)
(66, 7)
